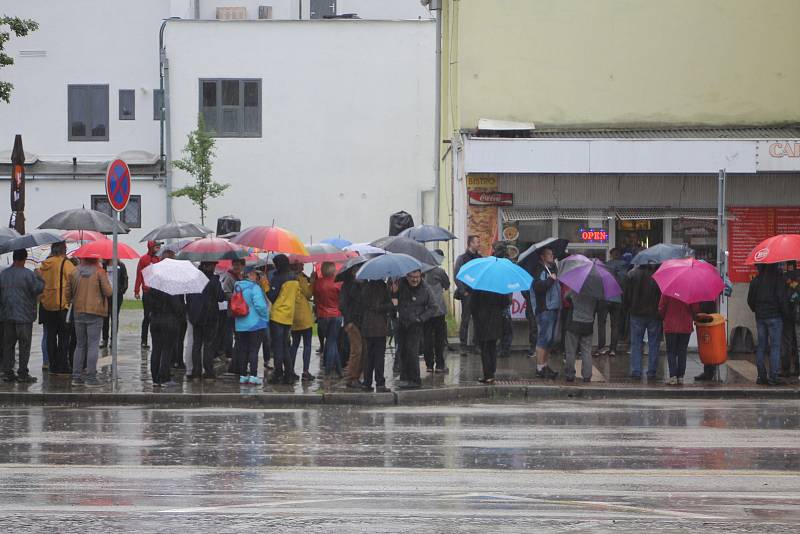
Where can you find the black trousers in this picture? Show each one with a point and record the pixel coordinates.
(177, 354)
(266, 347)
(489, 357)
(164, 333)
(411, 335)
(281, 343)
(147, 307)
(13, 334)
(107, 319)
(204, 346)
(375, 348)
(58, 339)
(466, 316)
(435, 341)
(225, 329)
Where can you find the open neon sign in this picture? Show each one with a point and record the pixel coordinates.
(593, 235)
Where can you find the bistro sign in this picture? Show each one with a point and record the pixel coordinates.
(490, 198)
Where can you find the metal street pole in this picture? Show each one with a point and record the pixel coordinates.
(114, 297)
(721, 231)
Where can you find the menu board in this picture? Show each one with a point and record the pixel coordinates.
(750, 226)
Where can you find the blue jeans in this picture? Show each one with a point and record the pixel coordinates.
(546, 322)
(305, 337)
(331, 326)
(772, 330)
(640, 325)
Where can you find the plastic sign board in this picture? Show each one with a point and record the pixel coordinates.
(592, 235)
(488, 198)
(118, 184)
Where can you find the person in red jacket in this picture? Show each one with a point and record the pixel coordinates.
(678, 319)
(140, 290)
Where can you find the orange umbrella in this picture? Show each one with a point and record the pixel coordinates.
(270, 239)
(103, 250)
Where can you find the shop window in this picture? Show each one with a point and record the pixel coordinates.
(698, 234)
(131, 215)
(584, 231)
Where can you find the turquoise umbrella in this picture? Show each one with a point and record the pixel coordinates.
(496, 275)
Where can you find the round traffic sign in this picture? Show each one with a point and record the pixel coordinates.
(118, 184)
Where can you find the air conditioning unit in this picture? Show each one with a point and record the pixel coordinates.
(231, 13)
(265, 12)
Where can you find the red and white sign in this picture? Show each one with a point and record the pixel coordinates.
(118, 184)
(751, 226)
(486, 198)
(518, 306)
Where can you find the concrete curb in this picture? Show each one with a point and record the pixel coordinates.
(509, 393)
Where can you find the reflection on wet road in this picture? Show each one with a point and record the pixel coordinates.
(549, 466)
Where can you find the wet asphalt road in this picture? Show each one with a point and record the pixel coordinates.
(600, 466)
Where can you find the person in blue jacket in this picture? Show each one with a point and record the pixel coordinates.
(250, 327)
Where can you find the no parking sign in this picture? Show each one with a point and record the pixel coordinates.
(118, 184)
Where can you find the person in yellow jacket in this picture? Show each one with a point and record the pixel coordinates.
(263, 281)
(303, 321)
(283, 296)
(56, 271)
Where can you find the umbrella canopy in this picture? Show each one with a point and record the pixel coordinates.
(270, 239)
(322, 252)
(176, 230)
(211, 249)
(588, 277)
(364, 249)
(352, 263)
(83, 219)
(405, 245)
(389, 265)
(104, 250)
(661, 253)
(82, 236)
(425, 233)
(7, 234)
(778, 248)
(337, 242)
(175, 246)
(32, 239)
(495, 275)
(530, 257)
(174, 277)
(689, 280)
(250, 259)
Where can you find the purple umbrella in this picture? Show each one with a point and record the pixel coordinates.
(588, 277)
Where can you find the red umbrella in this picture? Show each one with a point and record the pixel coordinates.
(211, 249)
(321, 253)
(224, 265)
(82, 236)
(778, 248)
(270, 239)
(103, 250)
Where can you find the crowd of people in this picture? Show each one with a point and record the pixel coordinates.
(272, 308)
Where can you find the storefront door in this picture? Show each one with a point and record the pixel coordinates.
(635, 235)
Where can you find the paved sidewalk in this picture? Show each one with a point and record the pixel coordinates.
(515, 378)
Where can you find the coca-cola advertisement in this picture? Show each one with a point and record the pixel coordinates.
(490, 198)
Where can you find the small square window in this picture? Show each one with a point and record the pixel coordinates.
(158, 103)
(131, 215)
(127, 104)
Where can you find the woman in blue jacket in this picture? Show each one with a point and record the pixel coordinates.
(250, 327)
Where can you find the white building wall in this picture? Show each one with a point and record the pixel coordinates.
(347, 120)
(290, 9)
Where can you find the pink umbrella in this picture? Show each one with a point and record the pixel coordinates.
(689, 280)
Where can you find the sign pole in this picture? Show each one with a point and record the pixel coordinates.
(114, 304)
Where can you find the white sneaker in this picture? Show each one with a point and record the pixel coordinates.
(673, 381)
(680, 380)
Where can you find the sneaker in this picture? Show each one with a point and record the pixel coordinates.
(10, 377)
(487, 381)
(546, 373)
(45, 366)
(307, 377)
(702, 377)
(93, 382)
(170, 384)
(77, 381)
(761, 381)
(680, 380)
(429, 370)
(442, 371)
(570, 379)
(367, 388)
(673, 381)
(26, 379)
(382, 389)
(156, 384)
(244, 380)
(587, 380)
(256, 381)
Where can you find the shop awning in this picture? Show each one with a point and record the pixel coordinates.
(519, 214)
(638, 214)
(542, 214)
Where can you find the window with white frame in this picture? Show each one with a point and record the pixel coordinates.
(87, 112)
(231, 107)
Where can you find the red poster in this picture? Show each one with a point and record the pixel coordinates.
(749, 227)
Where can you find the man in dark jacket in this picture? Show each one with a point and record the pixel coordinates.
(140, 289)
(415, 305)
(463, 291)
(546, 300)
(769, 300)
(350, 306)
(204, 314)
(19, 295)
(122, 288)
(641, 296)
(435, 329)
(489, 309)
(376, 305)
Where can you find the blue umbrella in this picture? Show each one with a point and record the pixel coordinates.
(389, 265)
(496, 275)
(337, 242)
(660, 253)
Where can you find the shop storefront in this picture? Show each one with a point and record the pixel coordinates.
(631, 190)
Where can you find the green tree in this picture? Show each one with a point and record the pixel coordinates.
(21, 28)
(198, 161)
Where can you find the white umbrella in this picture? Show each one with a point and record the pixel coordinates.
(175, 277)
(364, 249)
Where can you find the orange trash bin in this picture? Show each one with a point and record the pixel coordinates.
(712, 343)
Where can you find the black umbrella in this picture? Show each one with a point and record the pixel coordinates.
(30, 240)
(425, 233)
(660, 253)
(7, 234)
(83, 219)
(177, 230)
(351, 264)
(405, 245)
(528, 259)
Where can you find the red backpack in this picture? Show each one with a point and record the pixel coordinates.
(238, 307)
